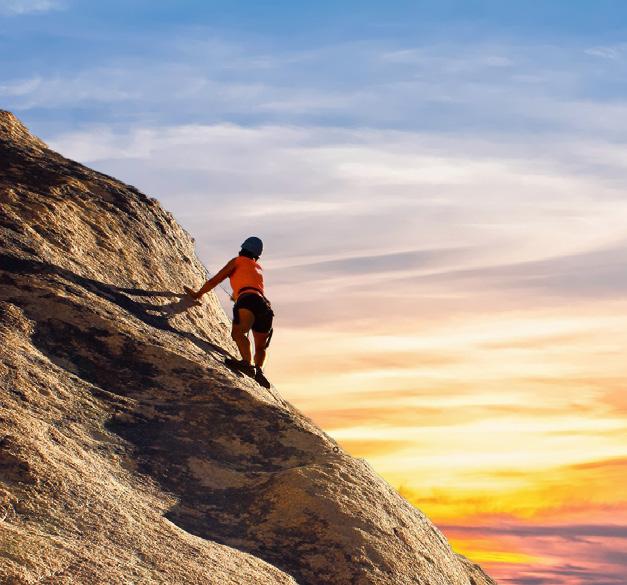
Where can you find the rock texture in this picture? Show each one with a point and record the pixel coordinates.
(128, 452)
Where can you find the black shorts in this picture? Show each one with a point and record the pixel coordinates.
(259, 307)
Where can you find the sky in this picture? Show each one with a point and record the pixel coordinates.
(440, 187)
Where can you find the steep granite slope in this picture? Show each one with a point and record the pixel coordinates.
(128, 452)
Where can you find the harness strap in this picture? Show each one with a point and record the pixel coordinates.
(269, 338)
(252, 288)
(239, 292)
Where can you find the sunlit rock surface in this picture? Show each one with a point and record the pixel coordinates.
(128, 452)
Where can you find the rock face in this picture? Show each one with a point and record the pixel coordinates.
(128, 452)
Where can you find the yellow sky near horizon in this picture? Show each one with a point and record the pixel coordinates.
(478, 419)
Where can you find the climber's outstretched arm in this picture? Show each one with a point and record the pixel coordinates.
(215, 280)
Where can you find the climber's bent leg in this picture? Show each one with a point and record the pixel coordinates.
(261, 342)
(240, 330)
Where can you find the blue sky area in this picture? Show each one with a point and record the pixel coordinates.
(61, 45)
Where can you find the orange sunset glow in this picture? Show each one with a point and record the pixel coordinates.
(506, 425)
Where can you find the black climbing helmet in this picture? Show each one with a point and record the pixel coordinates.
(253, 245)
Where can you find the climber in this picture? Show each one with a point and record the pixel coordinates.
(252, 310)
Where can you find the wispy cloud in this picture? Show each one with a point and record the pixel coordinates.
(20, 7)
(565, 531)
(591, 274)
(488, 200)
(612, 52)
(456, 87)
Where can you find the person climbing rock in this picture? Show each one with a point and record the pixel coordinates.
(252, 310)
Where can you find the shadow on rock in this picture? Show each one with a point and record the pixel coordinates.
(156, 315)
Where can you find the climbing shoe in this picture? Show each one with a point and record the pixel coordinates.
(241, 366)
(260, 378)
